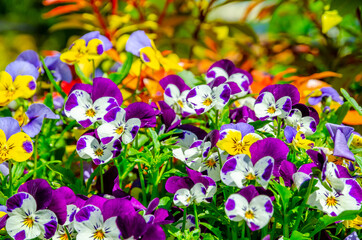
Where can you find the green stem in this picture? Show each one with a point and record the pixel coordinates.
(101, 176)
(184, 221)
(67, 232)
(10, 178)
(196, 217)
(35, 156)
(51, 78)
(285, 224)
(243, 230)
(279, 126)
(116, 163)
(81, 172)
(302, 206)
(273, 229)
(142, 180)
(234, 232)
(217, 120)
(94, 69)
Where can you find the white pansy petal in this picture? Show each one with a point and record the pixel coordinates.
(182, 197)
(110, 228)
(299, 178)
(284, 104)
(47, 220)
(235, 207)
(71, 211)
(198, 192)
(132, 126)
(103, 105)
(77, 104)
(235, 170)
(171, 94)
(103, 154)
(84, 146)
(262, 209)
(88, 219)
(263, 169)
(16, 228)
(331, 174)
(179, 154)
(22, 204)
(294, 118)
(107, 133)
(115, 116)
(218, 72)
(200, 99)
(222, 96)
(264, 106)
(308, 125)
(85, 235)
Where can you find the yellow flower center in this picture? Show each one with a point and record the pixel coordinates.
(249, 214)
(250, 176)
(99, 152)
(271, 110)
(99, 235)
(207, 102)
(90, 112)
(28, 221)
(210, 162)
(119, 130)
(10, 90)
(188, 199)
(238, 147)
(179, 102)
(63, 237)
(331, 201)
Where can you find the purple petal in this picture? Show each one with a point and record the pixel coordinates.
(272, 147)
(307, 168)
(104, 87)
(162, 216)
(201, 134)
(282, 90)
(36, 113)
(175, 183)
(345, 130)
(175, 80)
(249, 192)
(286, 170)
(331, 92)
(40, 190)
(152, 205)
(116, 207)
(10, 126)
(59, 69)
(131, 225)
(30, 56)
(59, 206)
(154, 232)
(244, 128)
(137, 40)
(242, 114)
(19, 67)
(144, 112)
(355, 190)
(341, 147)
(289, 133)
(16, 201)
(318, 157)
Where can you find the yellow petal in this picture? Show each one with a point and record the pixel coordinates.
(7, 89)
(20, 147)
(95, 48)
(231, 143)
(76, 52)
(248, 140)
(149, 57)
(4, 153)
(300, 142)
(25, 86)
(330, 19)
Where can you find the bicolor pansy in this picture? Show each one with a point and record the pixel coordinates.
(304, 119)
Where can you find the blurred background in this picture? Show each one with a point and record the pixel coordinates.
(292, 38)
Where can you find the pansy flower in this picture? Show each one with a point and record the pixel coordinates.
(276, 101)
(340, 135)
(31, 57)
(169, 118)
(202, 98)
(31, 121)
(90, 46)
(317, 96)
(59, 69)
(237, 138)
(14, 144)
(175, 94)
(146, 113)
(239, 169)
(190, 222)
(22, 86)
(141, 46)
(304, 119)
(88, 104)
(250, 206)
(194, 188)
(90, 146)
(297, 139)
(224, 71)
(116, 126)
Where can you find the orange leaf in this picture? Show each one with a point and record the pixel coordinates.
(280, 75)
(50, 2)
(65, 9)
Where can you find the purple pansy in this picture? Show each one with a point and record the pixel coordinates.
(194, 188)
(224, 71)
(27, 63)
(324, 92)
(286, 171)
(88, 104)
(59, 69)
(248, 205)
(90, 146)
(144, 112)
(202, 98)
(276, 101)
(137, 40)
(340, 135)
(304, 119)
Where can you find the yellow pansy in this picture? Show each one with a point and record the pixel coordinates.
(234, 143)
(80, 51)
(23, 86)
(19, 147)
(300, 141)
(356, 141)
(355, 223)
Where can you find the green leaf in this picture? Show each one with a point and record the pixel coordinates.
(299, 236)
(51, 78)
(345, 6)
(284, 193)
(326, 220)
(259, 124)
(165, 202)
(340, 113)
(155, 141)
(189, 78)
(123, 72)
(359, 160)
(214, 230)
(352, 101)
(81, 75)
(48, 101)
(3, 198)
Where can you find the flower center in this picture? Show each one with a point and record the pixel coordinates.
(239, 147)
(271, 110)
(250, 176)
(249, 214)
(207, 102)
(90, 112)
(331, 201)
(63, 237)
(120, 130)
(99, 235)
(98, 152)
(210, 163)
(28, 221)
(179, 102)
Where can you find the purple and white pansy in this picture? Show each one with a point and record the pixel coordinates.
(304, 119)
(88, 104)
(239, 169)
(90, 146)
(276, 101)
(248, 205)
(224, 71)
(194, 188)
(115, 126)
(202, 98)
